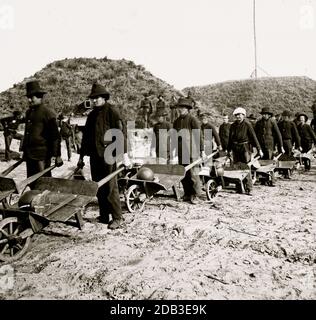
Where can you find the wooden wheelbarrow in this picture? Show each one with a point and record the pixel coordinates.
(237, 173)
(166, 177)
(264, 172)
(51, 200)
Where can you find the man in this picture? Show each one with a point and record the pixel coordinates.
(10, 131)
(252, 119)
(41, 143)
(146, 109)
(190, 146)
(66, 133)
(266, 131)
(224, 132)
(160, 146)
(240, 135)
(307, 136)
(290, 136)
(289, 133)
(313, 122)
(209, 133)
(103, 117)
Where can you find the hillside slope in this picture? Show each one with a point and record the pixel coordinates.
(69, 81)
(292, 93)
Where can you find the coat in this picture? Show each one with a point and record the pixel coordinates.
(224, 134)
(267, 131)
(41, 135)
(99, 120)
(192, 143)
(289, 131)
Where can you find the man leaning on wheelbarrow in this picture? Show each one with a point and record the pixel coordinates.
(103, 117)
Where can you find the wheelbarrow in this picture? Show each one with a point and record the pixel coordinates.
(237, 173)
(9, 186)
(303, 157)
(166, 177)
(264, 173)
(51, 200)
(286, 164)
(211, 176)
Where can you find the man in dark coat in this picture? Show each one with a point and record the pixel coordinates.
(209, 133)
(190, 147)
(308, 137)
(102, 118)
(160, 146)
(146, 110)
(41, 143)
(289, 133)
(240, 135)
(266, 131)
(10, 131)
(224, 132)
(66, 132)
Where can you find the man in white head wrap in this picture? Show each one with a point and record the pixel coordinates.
(241, 134)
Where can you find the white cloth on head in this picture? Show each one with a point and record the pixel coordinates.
(239, 110)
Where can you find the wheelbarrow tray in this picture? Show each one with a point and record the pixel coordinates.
(167, 176)
(266, 166)
(57, 191)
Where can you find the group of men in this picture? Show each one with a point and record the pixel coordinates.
(41, 143)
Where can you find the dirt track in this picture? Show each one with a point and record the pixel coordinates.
(235, 247)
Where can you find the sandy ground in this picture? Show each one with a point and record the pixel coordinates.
(234, 247)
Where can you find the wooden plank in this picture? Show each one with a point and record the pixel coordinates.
(66, 212)
(51, 211)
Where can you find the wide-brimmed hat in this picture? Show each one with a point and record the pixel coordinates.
(98, 90)
(286, 113)
(303, 114)
(266, 110)
(239, 110)
(252, 117)
(34, 88)
(184, 102)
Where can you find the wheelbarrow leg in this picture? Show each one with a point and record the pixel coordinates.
(176, 192)
(79, 219)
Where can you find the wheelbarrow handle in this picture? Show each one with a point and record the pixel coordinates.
(110, 176)
(11, 168)
(250, 163)
(33, 178)
(199, 160)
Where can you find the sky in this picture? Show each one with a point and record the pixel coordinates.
(183, 42)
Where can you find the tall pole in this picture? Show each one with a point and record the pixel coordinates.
(254, 35)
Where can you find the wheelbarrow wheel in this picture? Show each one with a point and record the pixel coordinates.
(12, 245)
(135, 198)
(211, 189)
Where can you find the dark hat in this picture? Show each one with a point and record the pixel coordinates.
(266, 110)
(204, 114)
(17, 113)
(184, 102)
(161, 112)
(252, 117)
(98, 90)
(34, 88)
(286, 113)
(303, 114)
